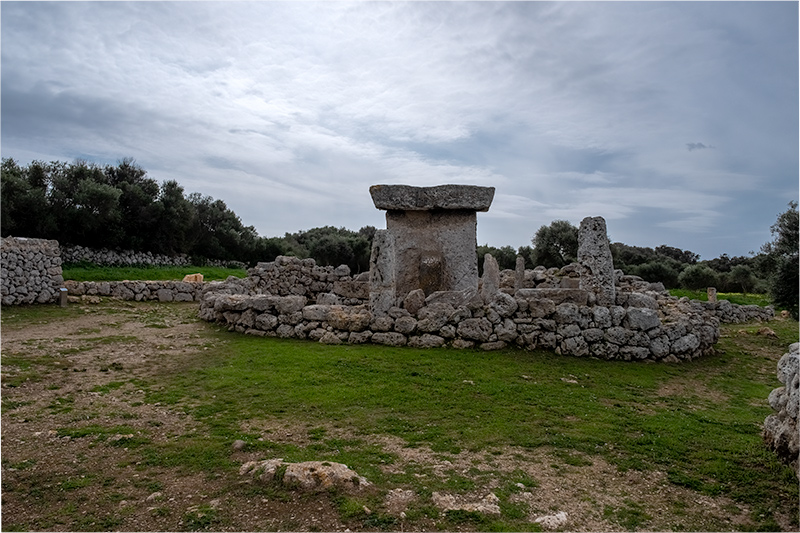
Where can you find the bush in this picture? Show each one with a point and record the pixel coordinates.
(697, 277)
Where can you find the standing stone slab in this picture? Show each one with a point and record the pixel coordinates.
(433, 232)
(382, 284)
(594, 253)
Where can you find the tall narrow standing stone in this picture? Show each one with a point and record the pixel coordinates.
(382, 281)
(594, 253)
(519, 273)
(490, 279)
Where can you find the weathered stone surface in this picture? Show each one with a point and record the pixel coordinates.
(594, 253)
(781, 431)
(641, 318)
(433, 317)
(405, 325)
(519, 273)
(504, 304)
(449, 197)
(478, 329)
(390, 338)
(490, 282)
(290, 304)
(316, 312)
(453, 298)
(414, 301)
(318, 476)
(352, 289)
(489, 504)
(425, 340)
(349, 318)
(556, 295)
(434, 250)
(382, 272)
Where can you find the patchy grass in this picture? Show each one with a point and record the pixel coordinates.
(696, 424)
(734, 297)
(90, 272)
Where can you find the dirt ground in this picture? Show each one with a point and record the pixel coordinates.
(60, 483)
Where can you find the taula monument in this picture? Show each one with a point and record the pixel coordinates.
(423, 290)
(429, 242)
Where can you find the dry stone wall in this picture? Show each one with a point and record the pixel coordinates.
(781, 429)
(106, 257)
(30, 271)
(163, 291)
(294, 298)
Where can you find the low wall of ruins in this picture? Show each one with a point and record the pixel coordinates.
(539, 308)
(106, 257)
(781, 428)
(30, 270)
(162, 291)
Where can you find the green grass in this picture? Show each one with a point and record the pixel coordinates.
(88, 272)
(699, 422)
(734, 297)
(706, 436)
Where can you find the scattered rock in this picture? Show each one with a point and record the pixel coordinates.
(489, 504)
(310, 476)
(239, 445)
(323, 475)
(554, 521)
(397, 501)
(767, 332)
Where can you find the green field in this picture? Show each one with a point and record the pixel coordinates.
(89, 272)
(697, 423)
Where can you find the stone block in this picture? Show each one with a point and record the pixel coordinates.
(441, 197)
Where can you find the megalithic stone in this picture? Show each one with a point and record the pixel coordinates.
(434, 235)
(382, 280)
(594, 253)
(519, 273)
(490, 279)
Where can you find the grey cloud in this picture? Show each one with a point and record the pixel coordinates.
(698, 146)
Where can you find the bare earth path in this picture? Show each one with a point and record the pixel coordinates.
(82, 370)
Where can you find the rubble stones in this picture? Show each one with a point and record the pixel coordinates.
(780, 430)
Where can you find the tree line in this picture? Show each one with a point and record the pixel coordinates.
(119, 206)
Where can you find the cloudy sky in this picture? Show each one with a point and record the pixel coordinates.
(676, 121)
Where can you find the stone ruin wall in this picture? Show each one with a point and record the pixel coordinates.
(162, 291)
(528, 308)
(781, 428)
(106, 257)
(30, 270)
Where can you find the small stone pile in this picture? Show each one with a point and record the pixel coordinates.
(781, 429)
(30, 272)
(292, 276)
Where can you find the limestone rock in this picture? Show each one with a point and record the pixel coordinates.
(489, 504)
(554, 521)
(408, 198)
(594, 253)
(318, 476)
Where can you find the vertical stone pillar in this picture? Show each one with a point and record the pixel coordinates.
(519, 274)
(491, 278)
(382, 281)
(712, 294)
(594, 253)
